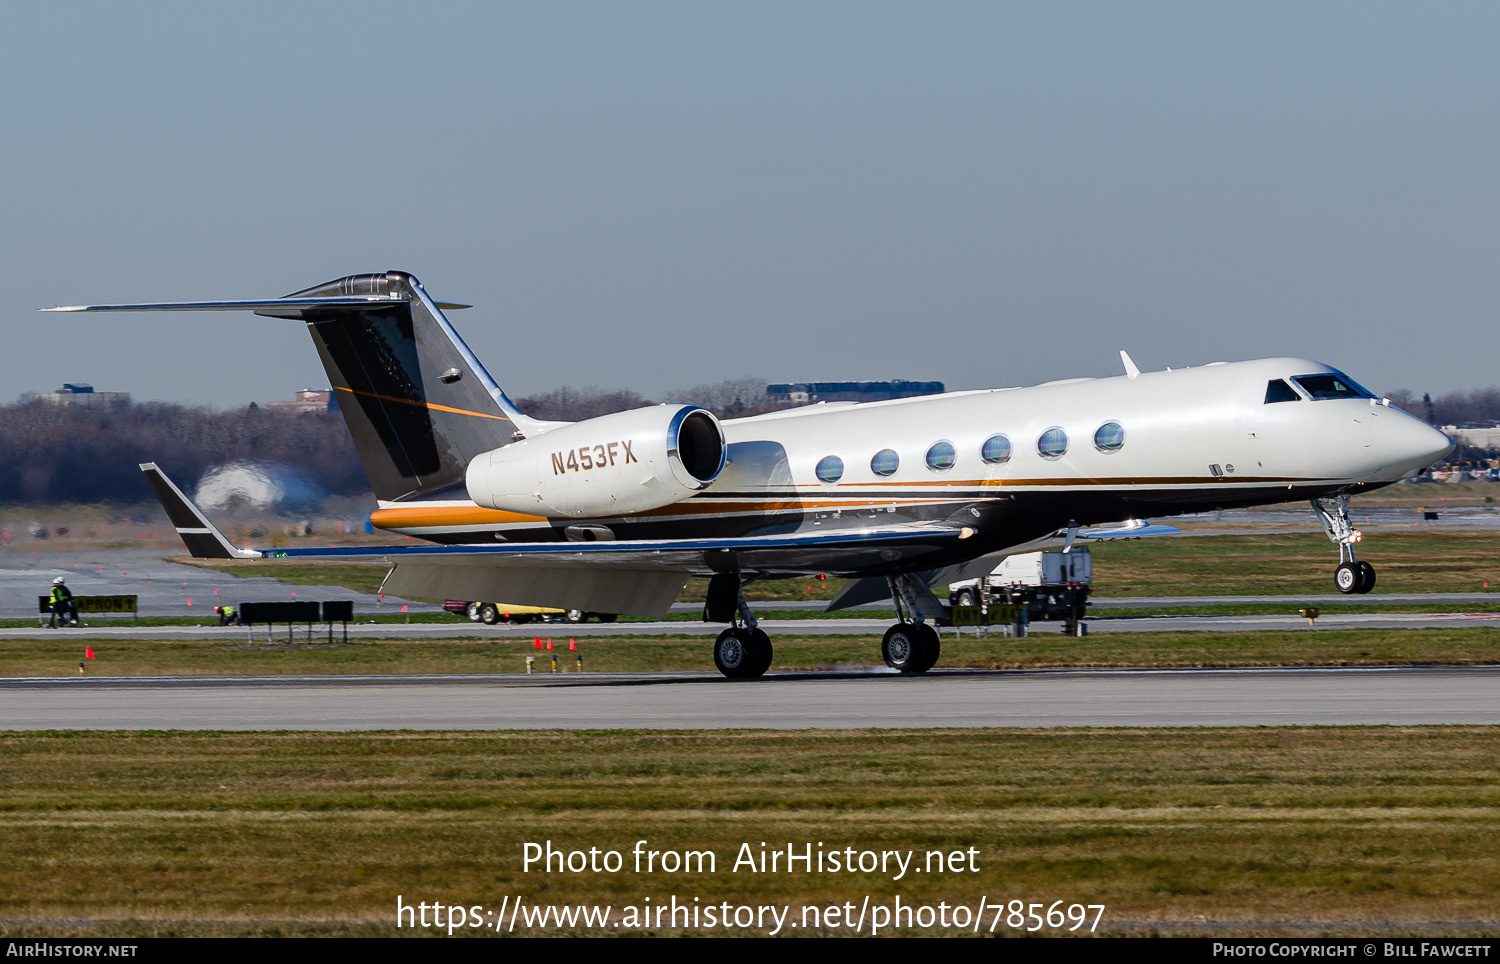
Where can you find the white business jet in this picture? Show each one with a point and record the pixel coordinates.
(614, 514)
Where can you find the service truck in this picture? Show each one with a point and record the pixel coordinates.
(1052, 585)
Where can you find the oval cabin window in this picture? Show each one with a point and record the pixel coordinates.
(996, 449)
(1052, 444)
(941, 456)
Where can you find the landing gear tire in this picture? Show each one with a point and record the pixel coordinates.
(472, 611)
(910, 647)
(1348, 577)
(742, 653)
(488, 614)
(760, 649)
(1367, 577)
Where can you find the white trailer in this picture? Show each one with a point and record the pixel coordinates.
(1052, 585)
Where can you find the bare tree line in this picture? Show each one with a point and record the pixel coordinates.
(90, 453)
(1474, 409)
(731, 398)
(87, 454)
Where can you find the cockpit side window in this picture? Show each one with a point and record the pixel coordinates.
(1280, 391)
(1336, 385)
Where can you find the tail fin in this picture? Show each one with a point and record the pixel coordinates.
(417, 401)
(202, 538)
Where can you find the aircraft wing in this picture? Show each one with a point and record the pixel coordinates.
(641, 577)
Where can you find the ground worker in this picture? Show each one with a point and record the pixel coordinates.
(228, 615)
(62, 605)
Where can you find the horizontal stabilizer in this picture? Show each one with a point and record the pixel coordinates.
(273, 304)
(202, 538)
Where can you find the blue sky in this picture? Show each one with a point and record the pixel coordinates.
(655, 195)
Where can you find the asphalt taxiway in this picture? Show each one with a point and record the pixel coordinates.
(956, 698)
(852, 626)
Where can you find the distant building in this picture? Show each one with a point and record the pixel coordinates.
(1479, 438)
(80, 394)
(807, 393)
(307, 400)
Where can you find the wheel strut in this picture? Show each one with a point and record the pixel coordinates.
(1351, 576)
(911, 645)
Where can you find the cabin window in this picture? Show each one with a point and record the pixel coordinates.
(830, 468)
(1110, 437)
(1052, 444)
(1331, 386)
(885, 463)
(1279, 391)
(996, 449)
(941, 456)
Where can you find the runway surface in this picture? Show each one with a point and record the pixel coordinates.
(773, 627)
(1257, 697)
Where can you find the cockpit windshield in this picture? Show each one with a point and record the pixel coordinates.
(1332, 385)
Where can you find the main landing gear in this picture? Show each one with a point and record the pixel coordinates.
(742, 651)
(911, 645)
(1352, 576)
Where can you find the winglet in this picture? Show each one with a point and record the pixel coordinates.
(1131, 370)
(202, 538)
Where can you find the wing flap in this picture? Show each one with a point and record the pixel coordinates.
(636, 592)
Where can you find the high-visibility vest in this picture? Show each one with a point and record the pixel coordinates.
(58, 594)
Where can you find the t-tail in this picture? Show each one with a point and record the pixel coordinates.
(418, 403)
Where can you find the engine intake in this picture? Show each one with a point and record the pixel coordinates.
(606, 466)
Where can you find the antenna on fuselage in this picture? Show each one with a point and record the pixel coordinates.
(1131, 369)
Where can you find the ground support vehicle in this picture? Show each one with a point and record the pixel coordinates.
(1050, 585)
(492, 613)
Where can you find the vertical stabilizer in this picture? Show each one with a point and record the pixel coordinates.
(418, 403)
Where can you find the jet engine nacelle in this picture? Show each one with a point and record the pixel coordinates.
(605, 466)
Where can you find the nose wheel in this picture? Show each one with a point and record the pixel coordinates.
(1351, 576)
(1354, 577)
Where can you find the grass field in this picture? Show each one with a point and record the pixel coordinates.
(1317, 647)
(1419, 560)
(1361, 829)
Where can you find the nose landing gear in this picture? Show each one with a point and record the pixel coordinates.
(1352, 576)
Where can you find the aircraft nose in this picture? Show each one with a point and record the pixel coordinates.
(1410, 445)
